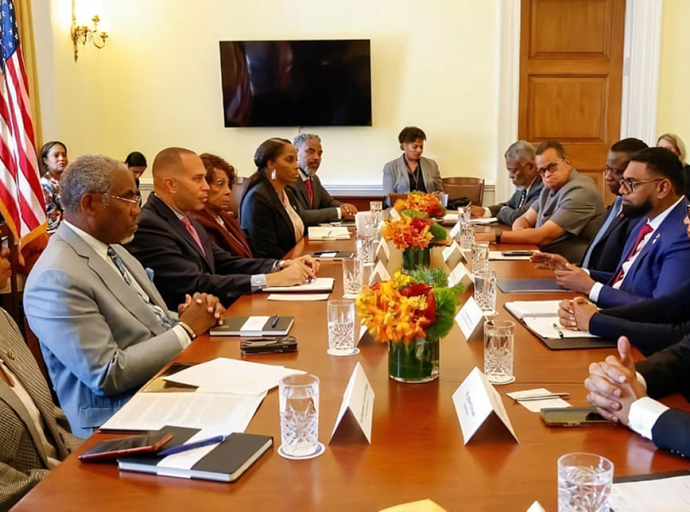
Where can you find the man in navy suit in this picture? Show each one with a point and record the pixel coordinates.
(622, 394)
(656, 256)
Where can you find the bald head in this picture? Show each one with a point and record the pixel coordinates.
(179, 179)
(171, 161)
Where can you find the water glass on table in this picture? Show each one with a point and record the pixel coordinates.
(584, 483)
(375, 213)
(299, 417)
(353, 276)
(480, 256)
(485, 287)
(499, 337)
(466, 236)
(464, 214)
(365, 247)
(341, 328)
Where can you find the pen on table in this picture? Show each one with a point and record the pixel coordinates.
(190, 446)
(274, 321)
(558, 328)
(545, 396)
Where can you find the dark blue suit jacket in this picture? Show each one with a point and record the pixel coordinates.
(660, 268)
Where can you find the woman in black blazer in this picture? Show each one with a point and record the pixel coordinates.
(268, 214)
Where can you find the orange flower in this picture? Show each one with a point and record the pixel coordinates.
(407, 232)
(427, 203)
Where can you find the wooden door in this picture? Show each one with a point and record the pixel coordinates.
(571, 69)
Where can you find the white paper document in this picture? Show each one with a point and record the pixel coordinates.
(322, 284)
(474, 401)
(224, 375)
(499, 256)
(484, 220)
(534, 308)
(452, 255)
(153, 411)
(358, 400)
(328, 233)
(362, 220)
(298, 297)
(379, 274)
(470, 317)
(660, 495)
(537, 405)
(541, 317)
(460, 274)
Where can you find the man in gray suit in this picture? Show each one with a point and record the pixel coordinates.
(525, 176)
(314, 203)
(103, 327)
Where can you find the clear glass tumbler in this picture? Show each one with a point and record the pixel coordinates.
(466, 236)
(341, 328)
(353, 276)
(375, 209)
(299, 416)
(584, 483)
(485, 287)
(480, 256)
(464, 214)
(365, 247)
(499, 338)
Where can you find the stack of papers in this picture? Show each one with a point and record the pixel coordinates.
(538, 405)
(541, 317)
(326, 233)
(662, 494)
(322, 284)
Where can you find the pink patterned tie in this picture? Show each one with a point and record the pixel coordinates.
(193, 232)
(646, 229)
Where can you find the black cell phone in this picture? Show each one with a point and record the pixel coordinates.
(517, 253)
(573, 417)
(269, 345)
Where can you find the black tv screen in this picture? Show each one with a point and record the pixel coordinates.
(296, 83)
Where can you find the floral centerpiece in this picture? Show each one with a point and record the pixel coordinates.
(413, 232)
(421, 202)
(411, 313)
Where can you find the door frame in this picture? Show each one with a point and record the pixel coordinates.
(641, 58)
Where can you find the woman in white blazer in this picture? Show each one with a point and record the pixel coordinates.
(411, 171)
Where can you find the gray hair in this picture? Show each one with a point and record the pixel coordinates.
(522, 150)
(304, 137)
(88, 174)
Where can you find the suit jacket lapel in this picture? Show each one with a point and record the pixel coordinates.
(141, 277)
(301, 189)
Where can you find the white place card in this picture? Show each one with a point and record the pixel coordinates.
(358, 403)
(455, 231)
(475, 400)
(393, 214)
(452, 255)
(460, 274)
(379, 274)
(383, 253)
(536, 507)
(470, 317)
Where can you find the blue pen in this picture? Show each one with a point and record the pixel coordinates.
(190, 446)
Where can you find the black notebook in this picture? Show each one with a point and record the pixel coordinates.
(253, 326)
(529, 285)
(225, 463)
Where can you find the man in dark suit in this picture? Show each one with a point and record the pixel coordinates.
(180, 253)
(314, 203)
(605, 250)
(525, 176)
(622, 394)
(656, 256)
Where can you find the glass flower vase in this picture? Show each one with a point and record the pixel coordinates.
(414, 258)
(413, 362)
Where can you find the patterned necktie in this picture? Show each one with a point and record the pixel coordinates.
(310, 190)
(162, 318)
(646, 229)
(193, 232)
(523, 196)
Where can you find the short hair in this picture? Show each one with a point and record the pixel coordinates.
(88, 174)
(410, 134)
(629, 146)
(169, 157)
(136, 159)
(212, 162)
(44, 154)
(551, 144)
(522, 150)
(672, 138)
(665, 162)
(304, 137)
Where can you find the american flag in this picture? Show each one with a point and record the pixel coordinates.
(21, 198)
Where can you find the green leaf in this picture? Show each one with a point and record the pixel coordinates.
(414, 214)
(445, 313)
(434, 277)
(438, 232)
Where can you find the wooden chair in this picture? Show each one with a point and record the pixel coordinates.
(35, 348)
(236, 195)
(471, 188)
(13, 304)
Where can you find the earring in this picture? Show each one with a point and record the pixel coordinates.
(273, 175)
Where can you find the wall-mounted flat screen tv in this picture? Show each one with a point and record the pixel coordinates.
(296, 83)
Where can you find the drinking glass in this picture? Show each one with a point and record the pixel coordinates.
(480, 256)
(353, 275)
(375, 209)
(498, 351)
(485, 291)
(464, 214)
(584, 483)
(466, 236)
(365, 247)
(341, 328)
(299, 417)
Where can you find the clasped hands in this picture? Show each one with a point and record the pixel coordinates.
(201, 312)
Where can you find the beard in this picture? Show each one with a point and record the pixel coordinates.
(127, 240)
(632, 211)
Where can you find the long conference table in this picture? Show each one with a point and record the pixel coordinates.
(417, 448)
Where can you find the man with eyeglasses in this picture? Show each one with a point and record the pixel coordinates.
(103, 328)
(656, 257)
(568, 213)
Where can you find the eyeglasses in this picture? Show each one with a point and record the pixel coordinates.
(551, 168)
(631, 184)
(135, 200)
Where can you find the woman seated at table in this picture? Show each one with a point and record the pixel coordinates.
(34, 433)
(674, 143)
(267, 213)
(53, 160)
(136, 163)
(216, 217)
(411, 171)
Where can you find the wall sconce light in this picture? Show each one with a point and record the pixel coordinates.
(83, 34)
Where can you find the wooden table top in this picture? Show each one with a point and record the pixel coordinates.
(417, 448)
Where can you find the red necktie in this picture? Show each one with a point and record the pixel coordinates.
(193, 232)
(646, 229)
(310, 190)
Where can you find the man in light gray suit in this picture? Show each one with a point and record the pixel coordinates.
(103, 327)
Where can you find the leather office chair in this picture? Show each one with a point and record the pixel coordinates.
(236, 196)
(35, 348)
(471, 188)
